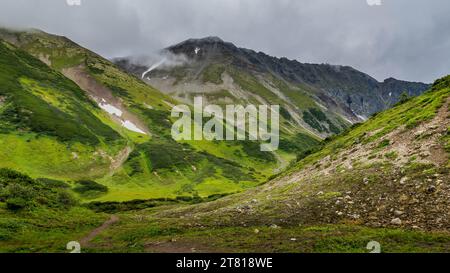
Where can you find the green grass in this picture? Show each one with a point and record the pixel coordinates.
(165, 168)
(36, 216)
(89, 189)
(42, 156)
(384, 143)
(299, 143)
(45, 230)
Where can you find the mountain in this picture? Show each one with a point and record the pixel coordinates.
(323, 99)
(85, 143)
(74, 116)
(112, 128)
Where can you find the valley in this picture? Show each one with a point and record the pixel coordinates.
(86, 154)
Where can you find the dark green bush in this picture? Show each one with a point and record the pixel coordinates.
(311, 121)
(19, 191)
(84, 186)
(253, 149)
(16, 203)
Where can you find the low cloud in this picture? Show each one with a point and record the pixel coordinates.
(162, 59)
(406, 39)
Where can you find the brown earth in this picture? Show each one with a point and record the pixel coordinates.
(86, 241)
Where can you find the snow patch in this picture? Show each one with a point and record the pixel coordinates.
(362, 117)
(132, 127)
(110, 109)
(347, 119)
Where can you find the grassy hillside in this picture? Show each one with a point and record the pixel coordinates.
(95, 146)
(384, 181)
(49, 127)
(40, 215)
(403, 151)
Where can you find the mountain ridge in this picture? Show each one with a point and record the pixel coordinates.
(345, 91)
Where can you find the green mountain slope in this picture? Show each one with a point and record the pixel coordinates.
(139, 166)
(47, 121)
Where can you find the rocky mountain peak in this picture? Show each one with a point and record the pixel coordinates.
(207, 46)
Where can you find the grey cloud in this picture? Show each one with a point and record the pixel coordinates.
(406, 39)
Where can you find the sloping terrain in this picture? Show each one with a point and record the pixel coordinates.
(146, 163)
(75, 128)
(49, 127)
(390, 171)
(386, 180)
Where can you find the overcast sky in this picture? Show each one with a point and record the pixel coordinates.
(405, 39)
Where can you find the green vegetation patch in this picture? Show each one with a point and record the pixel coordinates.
(89, 189)
(299, 143)
(316, 119)
(19, 191)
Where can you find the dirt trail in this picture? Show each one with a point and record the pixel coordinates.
(85, 242)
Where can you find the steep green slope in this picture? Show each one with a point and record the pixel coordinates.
(49, 127)
(151, 165)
